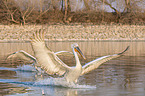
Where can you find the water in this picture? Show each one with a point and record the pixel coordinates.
(124, 76)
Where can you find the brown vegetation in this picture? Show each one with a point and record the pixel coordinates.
(27, 13)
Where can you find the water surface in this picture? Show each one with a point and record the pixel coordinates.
(124, 76)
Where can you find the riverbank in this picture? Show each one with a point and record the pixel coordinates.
(74, 32)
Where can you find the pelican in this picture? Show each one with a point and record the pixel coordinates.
(23, 55)
(28, 57)
(52, 65)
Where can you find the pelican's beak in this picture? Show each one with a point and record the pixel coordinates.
(77, 49)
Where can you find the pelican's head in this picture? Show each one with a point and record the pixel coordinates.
(74, 45)
(76, 48)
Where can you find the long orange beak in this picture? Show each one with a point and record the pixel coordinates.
(77, 49)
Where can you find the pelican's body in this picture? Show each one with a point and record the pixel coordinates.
(51, 64)
(74, 72)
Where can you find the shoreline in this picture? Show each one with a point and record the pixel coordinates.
(28, 41)
(74, 32)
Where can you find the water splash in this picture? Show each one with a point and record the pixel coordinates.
(61, 82)
(15, 81)
(54, 82)
(25, 68)
(51, 82)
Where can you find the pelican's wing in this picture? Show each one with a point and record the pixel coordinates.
(26, 56)
(23, 55)
(60, 52)
(97, 62)
(46, 58)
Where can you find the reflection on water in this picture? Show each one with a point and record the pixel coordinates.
(123, 76)
(88, 48)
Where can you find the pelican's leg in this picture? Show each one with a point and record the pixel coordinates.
(39, 71)
(72, 83)
(39, 74)
(76, 81)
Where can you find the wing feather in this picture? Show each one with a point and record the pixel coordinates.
(46, 58)
(97, 62)
(26, 56)
(23, 55)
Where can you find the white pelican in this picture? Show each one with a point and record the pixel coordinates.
(28, 57)
(23, 55)
(51, 64)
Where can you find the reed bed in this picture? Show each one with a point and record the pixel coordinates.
(73, 32)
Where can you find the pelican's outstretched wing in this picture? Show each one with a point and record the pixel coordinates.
(97, 62)
(60, 52)
(46, 58)
(26, 56)
(23, 55)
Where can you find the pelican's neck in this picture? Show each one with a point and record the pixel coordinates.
(78, 64)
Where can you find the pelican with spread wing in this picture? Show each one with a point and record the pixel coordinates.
(28, 57)
(51, 64)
